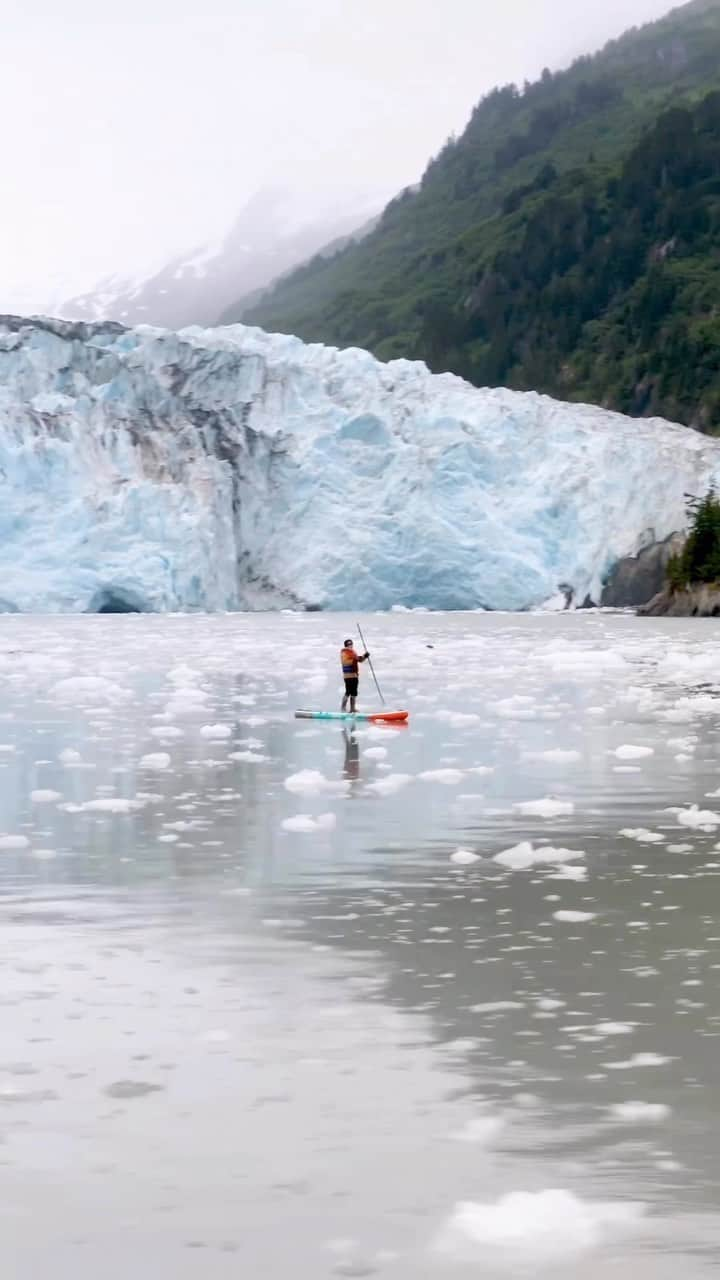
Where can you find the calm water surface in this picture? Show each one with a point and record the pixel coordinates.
(273, 1006)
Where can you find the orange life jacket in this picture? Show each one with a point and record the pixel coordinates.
(349, 660)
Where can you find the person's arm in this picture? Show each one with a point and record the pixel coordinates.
(364, 657)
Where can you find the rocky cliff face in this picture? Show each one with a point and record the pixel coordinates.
(702, 601)
(635, 580)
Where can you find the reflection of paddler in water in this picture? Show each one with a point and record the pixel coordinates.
(352, 756)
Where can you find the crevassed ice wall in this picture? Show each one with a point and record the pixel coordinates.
(228, 468)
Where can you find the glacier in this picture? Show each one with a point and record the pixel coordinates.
(226, 469)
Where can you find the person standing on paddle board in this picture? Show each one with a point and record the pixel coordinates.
(350, 662)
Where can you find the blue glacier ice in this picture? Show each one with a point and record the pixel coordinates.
(231, 469)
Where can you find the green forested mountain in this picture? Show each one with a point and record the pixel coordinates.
(568, 241)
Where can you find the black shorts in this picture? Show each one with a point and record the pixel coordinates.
(351, 686)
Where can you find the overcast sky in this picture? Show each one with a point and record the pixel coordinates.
(136, 129)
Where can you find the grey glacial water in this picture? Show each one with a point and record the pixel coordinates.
(288, 1000)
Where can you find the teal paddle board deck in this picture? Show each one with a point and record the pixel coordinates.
(377, 717)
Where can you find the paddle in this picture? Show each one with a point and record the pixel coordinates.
(362, 641)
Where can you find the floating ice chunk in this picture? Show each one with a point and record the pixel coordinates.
(549, 807)
(106, 804)
(464, 857)
(525, 855)
(183, 675)
(630, 752)
(640, 1112)
(639, 1060)
(14, 842)
(215, 732)
(166, 731)
(7, 749)
(310, 782)
(157, 762)
(248, 757)
(45, 797)
(614, 1028)
(680, 848)
(68, 756)
(702, 819)
(481, 1130)
(570, 873)
(556, 755)
(85, 689)
(375, 753)
(306, 825)
(642, 835)
(390, 785)
(447, 777)
(574, 917)
(169, 838)
(44, 855)
(533, 1227)
(497, 1006)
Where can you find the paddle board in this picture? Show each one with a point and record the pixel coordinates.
(383, 717)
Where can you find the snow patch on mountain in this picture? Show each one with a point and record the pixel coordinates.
(230, 468)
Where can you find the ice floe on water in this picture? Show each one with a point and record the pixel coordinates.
(547, 807)
(534, 1227)
(464, 857)
(525, 855)
(304, 824)
(574, 917)
(310, 782)
(471, 885)
(155, 761)
(640, 1112)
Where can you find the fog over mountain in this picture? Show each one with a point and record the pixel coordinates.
(266, 240)
(137, 132)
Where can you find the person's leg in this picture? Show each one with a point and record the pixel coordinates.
(348, 688)
(353, 691)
